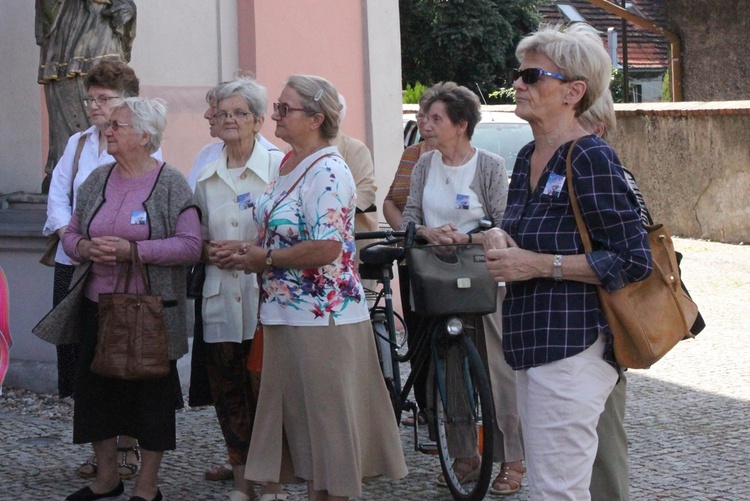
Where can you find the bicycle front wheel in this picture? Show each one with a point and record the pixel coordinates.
(464, 417)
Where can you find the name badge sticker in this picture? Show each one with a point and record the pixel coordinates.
(245, 201)
(138, 217)
(462, 202)
(554, 185)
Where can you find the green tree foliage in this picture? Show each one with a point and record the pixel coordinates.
(412, 94)
(471, 42)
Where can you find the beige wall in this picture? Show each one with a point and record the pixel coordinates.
(183, 47)
(692, 162)
(21, 112)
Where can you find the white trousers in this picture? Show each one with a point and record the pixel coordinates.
(560, 403)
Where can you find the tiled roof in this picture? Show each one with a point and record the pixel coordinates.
(646, 50)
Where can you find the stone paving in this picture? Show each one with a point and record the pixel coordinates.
(688, 418)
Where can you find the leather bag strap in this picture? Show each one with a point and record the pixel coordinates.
(574, 201)
(291, 189)
(76, 161)
(135, 259)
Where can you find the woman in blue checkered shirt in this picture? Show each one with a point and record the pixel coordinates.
(555, 335)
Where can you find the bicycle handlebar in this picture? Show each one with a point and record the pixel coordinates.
(379, 235)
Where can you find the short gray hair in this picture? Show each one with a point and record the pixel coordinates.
(147, 115)
(318, 95)
(461, 104)
(601, 112)
(248, 89)
(579, 53)
(212, 96)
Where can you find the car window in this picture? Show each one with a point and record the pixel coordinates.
(503, 139)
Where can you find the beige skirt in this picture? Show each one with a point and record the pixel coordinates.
(323, 413)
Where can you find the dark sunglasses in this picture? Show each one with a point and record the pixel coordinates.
(530, 76)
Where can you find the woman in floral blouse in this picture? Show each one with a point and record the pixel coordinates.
(322, 413)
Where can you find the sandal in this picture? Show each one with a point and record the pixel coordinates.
(219, 473)
(88, 468)
(124, 468)
(508, 481)
(466, 469)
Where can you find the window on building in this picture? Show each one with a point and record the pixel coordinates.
(570, 13)
(636, 93)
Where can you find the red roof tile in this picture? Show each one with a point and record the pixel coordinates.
(646, 50)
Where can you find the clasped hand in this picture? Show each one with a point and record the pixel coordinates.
(506, 261)
(442, 235)
(106, 250)
(235, 255)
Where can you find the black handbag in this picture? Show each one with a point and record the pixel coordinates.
(196, 277)
(450, 279)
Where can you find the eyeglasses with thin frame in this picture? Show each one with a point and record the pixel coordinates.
(115, 125)
(282, 109)
(100, 101)
(530, 76)
(238, 114)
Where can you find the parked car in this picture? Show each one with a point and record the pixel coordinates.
(499, 132)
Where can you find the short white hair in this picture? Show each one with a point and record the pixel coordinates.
(578, 51)
(147, 115)
(601, 112)
(248, 89)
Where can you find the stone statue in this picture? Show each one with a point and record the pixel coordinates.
(73, 36)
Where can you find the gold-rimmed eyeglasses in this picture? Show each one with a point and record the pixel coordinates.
(115, 125)
(238, 114)
(100, 101)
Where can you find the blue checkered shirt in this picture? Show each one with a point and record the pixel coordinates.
(546, 320)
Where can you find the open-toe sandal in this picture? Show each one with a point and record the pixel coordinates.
(88, 468)
(508, 481)
(125, 469)
(466, 469)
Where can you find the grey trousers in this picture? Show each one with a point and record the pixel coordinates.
(610, 477)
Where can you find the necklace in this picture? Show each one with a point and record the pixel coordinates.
(450, 175)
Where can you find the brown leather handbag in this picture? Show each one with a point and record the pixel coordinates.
(647, 318)
(132, 337)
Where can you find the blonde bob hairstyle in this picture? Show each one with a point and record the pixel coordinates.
(601, 112)
(318, 95)
(578, 51)
(147, 115)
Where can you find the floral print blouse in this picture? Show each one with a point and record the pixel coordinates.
(320, 207)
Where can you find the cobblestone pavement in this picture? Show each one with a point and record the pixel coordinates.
(688, 418)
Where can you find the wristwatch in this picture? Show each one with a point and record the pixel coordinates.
(269, 259)
(557, 267)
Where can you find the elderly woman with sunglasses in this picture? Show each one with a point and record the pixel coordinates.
(226, 192)
(555, 334)
(322, 411)
(134, 204)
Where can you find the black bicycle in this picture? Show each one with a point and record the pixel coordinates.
(460, 411)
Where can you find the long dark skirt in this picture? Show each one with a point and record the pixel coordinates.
(105, 407)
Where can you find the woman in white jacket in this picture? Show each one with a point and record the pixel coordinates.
(226, 193)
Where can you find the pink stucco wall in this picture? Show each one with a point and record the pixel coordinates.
(280, 39)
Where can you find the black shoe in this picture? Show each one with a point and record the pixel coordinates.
(86, 494)
(158, 497)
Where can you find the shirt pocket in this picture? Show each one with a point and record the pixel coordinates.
(214, 311)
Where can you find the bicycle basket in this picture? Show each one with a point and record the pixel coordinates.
(450, 279)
